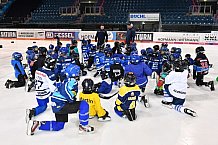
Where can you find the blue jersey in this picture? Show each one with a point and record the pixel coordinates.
(85, 52)
(63, 63)
(99, 60)
(106, 87)
(108, 61)
(155, 65)
(127, 59)
(141, 71)
(92, 53)
(18, 68)
(66, 93)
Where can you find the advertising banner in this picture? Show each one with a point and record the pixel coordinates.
(91, 35)
(176, 37)
(140, 36)
(8, 34)
(60, 34)
(209, 37)
(31, 34)
(144, 17)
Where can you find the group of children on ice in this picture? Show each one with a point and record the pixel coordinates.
(54, 73)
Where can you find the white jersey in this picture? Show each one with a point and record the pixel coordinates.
(178, 83)
(44, 81)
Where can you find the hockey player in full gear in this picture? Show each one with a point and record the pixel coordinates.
(108, 60)
(175, 89)
(99, 61)
(45, 78)
(127, 97)
(38, 63)
(19, 71)
(201, 68)
(91, 54)
(63, 61)
(116, 71)
(166, 68)
(93, 99)
(64, 103)
(141, 71)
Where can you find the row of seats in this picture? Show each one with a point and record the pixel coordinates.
(48, 12)
(5, 7)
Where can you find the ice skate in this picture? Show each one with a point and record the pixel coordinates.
(190, 112)
(167, 104)
(9, 84)
(211, 85)
(29, 114)
(144, 100)
(86, 128)
(106, 117)
(32, 126)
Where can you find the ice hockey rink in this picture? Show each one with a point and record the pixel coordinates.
(156, 125)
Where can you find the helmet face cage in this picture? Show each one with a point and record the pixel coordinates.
(50, 63)
(130, 79)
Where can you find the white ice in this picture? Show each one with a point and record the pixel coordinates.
(156, 125)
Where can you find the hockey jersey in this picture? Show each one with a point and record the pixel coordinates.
(18, 68)
(93, 100)
(127, 97)
(177, 83)
(116, 72)
(44, 83)
(66, 93)
(141, 71)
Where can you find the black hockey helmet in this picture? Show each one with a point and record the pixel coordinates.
(42, 51)
(167, 67)
(156, 47)
(130, 79)
(178, 66)
(199, 49)
(50, 62)
(188, 55)
(88, 85)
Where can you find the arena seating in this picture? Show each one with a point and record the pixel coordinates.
(117, 11)
(4, 7)
(172, 12)
(48, 12)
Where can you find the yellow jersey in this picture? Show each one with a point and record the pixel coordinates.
(93, 100)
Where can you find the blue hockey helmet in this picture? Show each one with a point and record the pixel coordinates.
(64, 50)
(143, 52)
(135, 59)
(17, 56)
(149, 50)
(117, 60)
(51, 46)
(35, 49)
(173, 49)
(72, 71)
(68, 45)
(84, 42)
(134, 53)
(93, 47)
(178, 50)
(108, 52)
(108, 46)
(165, 44)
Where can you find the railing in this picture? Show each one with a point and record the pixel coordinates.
(73, 10)
(200, 10)
(93, 10)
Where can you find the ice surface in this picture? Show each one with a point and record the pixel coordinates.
(157, 125)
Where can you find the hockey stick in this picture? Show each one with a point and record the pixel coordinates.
(107, 97)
